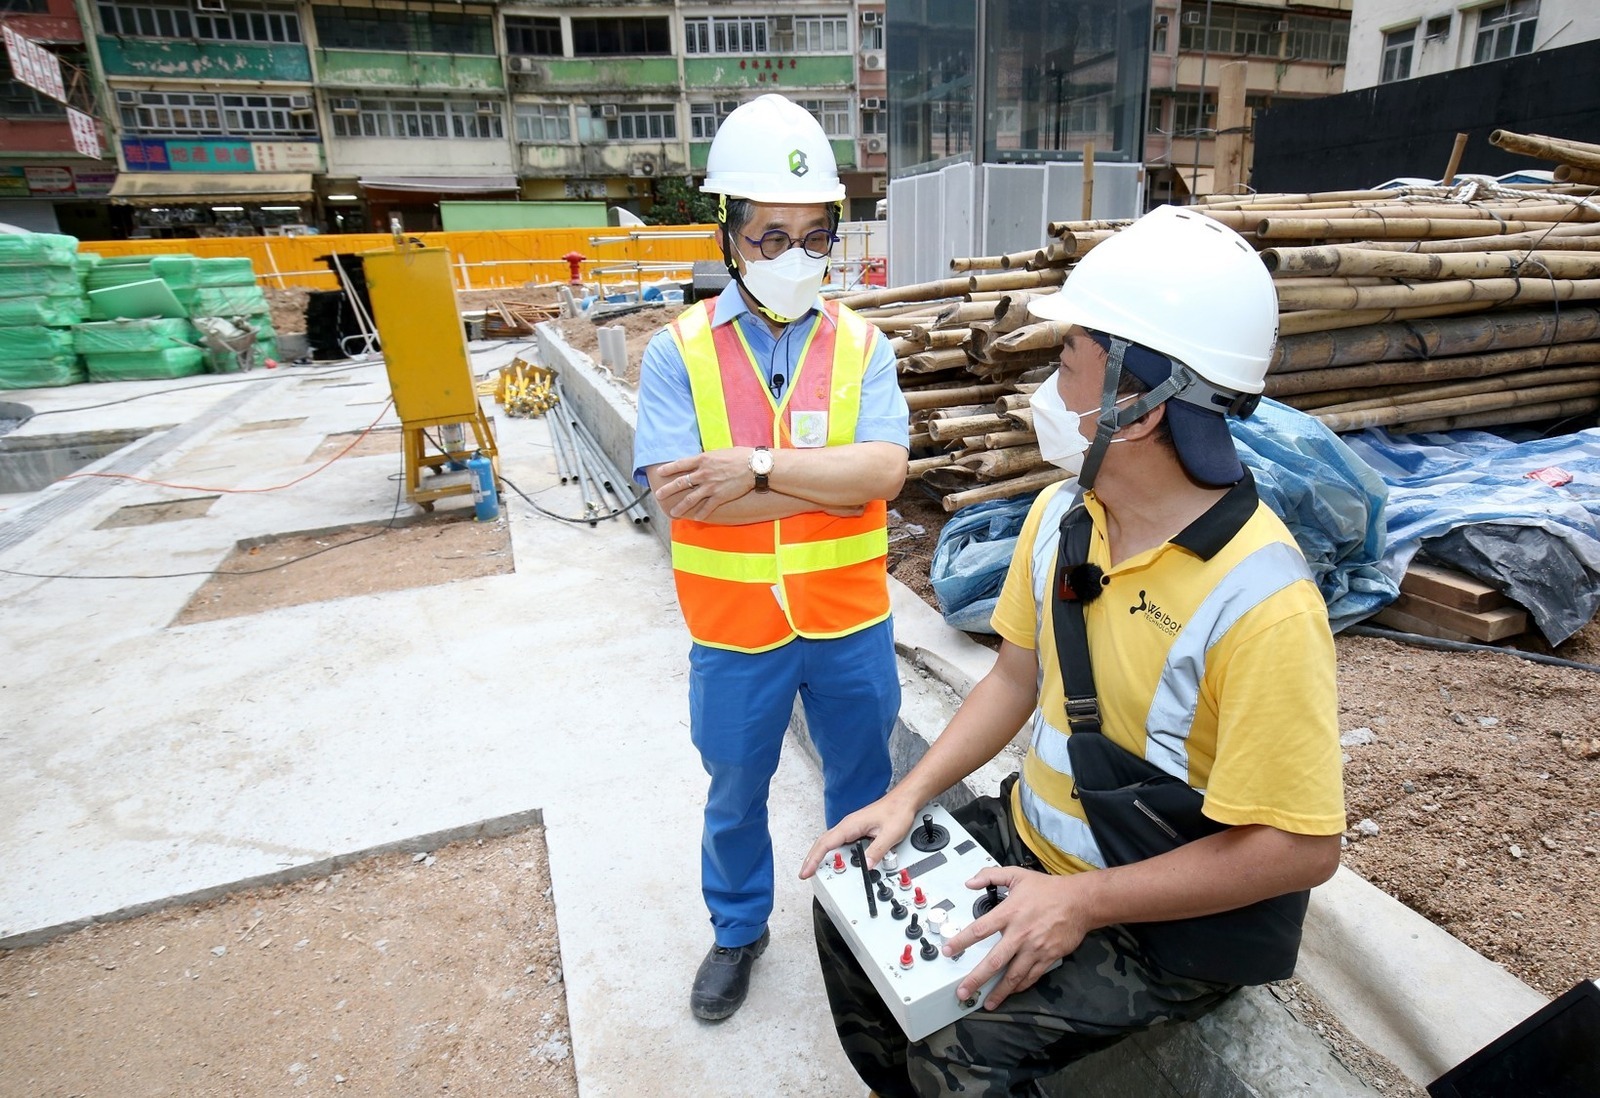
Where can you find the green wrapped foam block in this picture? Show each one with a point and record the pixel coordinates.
(146, 365)
(229, 301)
(37, 250)
(58, 310)
(40, 373)
(132, 336)
(224, 272)
(35, 341)
(38, 281)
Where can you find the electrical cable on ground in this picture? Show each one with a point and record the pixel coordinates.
(1419, 641)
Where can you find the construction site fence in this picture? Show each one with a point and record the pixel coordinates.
(481, 260)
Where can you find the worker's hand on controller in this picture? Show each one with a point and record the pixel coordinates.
(694, 487)
(885, 821)
(1041, 921)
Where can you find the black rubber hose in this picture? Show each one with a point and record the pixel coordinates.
(1421, 641)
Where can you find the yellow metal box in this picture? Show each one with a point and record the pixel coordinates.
(424, 344)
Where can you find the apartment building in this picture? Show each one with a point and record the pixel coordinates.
(1392, 40)
(46, 184)
(250, 116)
(1289, 50)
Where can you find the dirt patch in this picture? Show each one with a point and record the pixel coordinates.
(288, 310)
(579, 333)
(379, 440)
(405, 974)
(364, 559)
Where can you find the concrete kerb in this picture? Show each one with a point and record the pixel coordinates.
(1409, 990)
(417, 844)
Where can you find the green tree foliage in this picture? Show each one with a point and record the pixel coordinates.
(679, 202)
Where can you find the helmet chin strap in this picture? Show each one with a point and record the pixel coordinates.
(1113, 419)
(733, 265)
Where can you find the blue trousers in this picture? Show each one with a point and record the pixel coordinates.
(739, 708)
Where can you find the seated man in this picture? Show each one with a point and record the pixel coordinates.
(1212, 661)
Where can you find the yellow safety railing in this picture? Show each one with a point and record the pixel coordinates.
(481, 260)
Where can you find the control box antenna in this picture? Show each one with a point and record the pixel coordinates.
(859, 857)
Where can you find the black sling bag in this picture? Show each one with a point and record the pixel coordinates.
(1136, 810)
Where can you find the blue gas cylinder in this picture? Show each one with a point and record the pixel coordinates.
(485, 499)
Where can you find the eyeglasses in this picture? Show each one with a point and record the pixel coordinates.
(774, 242)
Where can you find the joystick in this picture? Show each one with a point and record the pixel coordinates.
(930, 836)
(987, 902)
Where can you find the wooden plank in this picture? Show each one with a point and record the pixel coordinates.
(1487, 625)
(1390, 618)
(1450, 588)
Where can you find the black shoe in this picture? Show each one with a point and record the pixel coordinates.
(724, 979)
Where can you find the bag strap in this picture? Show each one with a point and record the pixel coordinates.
(1076, 582)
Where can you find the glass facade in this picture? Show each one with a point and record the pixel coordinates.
(1055, 75)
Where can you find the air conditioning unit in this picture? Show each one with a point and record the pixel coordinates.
(1281, 26)
(345, 106)
(880, 184)
(872, 59)
(520, 63)
(1161, 20)
(644, 165)
(872, 19)
(126, 96)
(875, 144)
(299, 104)
(210, 5)
(608, 110)
(485, 106)
(1191, 18)
(782, 24)
(872, 104)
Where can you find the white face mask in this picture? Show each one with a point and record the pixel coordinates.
(1060, 430)
(788, 285)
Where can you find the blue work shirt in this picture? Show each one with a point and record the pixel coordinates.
(667, 428)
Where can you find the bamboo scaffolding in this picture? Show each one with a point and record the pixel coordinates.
(945, 398)
(977, 263)
(1582, 235)
(1487, 402)
(1003, 489)
(1400, 228)
(1436, 339)
(1326, 260)
(1486, 291)
(916, 467)
(1373, 375)
(948, 430)
(1571, 173)
(1531, 413)
(1536, 145)
(962, 315)
(1324, 320)
(925, 362)
(1504, 383)
(1009, 461)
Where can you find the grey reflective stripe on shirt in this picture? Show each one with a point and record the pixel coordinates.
(1251, 582)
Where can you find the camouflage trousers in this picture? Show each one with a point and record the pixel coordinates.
(1104, 991)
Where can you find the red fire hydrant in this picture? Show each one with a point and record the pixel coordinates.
(573, 259)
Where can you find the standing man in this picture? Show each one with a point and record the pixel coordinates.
(772, 429)
(1212, 662)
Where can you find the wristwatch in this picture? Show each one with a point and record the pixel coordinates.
(761, 466)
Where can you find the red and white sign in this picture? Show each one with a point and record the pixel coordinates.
(85, 133)
(34, 65)
(49, 180)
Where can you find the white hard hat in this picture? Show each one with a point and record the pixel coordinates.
(773, 150)
(1179, 283)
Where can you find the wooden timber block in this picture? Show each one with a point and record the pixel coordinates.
(1485, 626)
(1390, 618)
(1449, 588)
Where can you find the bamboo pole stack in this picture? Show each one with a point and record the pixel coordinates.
(1416, 309)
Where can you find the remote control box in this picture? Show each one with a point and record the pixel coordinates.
(897, 917)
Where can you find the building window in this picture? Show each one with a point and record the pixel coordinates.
(425, 118)
(1438, 28)
(819, 34)
(704, 118)
(17, 100)
(1397, 47)
(1083, 114)
(834, 114)
(1316, 38)
(244, 21)
(404, 31)
(872, 37)
(1263, 34)
(1158, 114)
(543, 123)
(874, 118)
(177, 113)
(629, 122)
(723, 36)
(1187, 119)
(268, 115)
(1158, 37)
(185, 114)
(533, 36)
(1505, 30)
(614, 35)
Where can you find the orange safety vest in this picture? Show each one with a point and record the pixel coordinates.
(755, 586)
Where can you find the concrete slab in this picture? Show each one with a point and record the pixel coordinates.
(141, 761)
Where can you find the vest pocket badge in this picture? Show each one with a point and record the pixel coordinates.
(808, 429)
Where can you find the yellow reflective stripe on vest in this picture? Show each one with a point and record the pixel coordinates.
(851, 340)
(692, 333)
(721, 564)
(817, 556)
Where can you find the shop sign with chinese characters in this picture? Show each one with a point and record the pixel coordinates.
(156, 154)
(767, 69)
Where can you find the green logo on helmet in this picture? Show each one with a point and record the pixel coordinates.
(797, 163)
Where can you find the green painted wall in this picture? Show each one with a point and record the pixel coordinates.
(414, 70)
(475, 216)
(638, 72)
(787, 74)
(699, 153)
(175, 59)
(844, 153)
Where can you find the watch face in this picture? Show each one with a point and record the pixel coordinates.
(761, 462)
